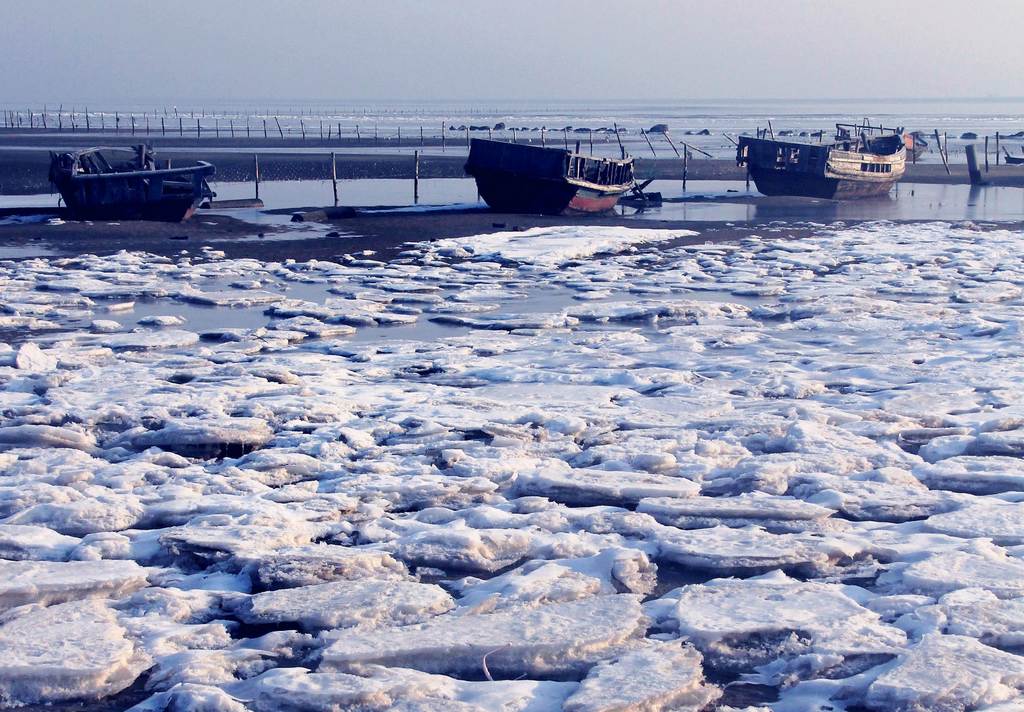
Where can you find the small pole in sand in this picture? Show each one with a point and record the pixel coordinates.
(421, 136)
(442, 136)
(181, 127)
(339, 132)
(163, 127)
(942, 153)
(302, 128)
(321, 129)
(60, 122)
(334, 177)
(199, 129)
(416, 177)
(542, 141)
(279, 129)
(467, 137)
(986, 154)
(686, 156)
(231, 123)
(399, 136)
(247, 127)
(997, 148)
(264, 127)
(147, 124)
(358, 137)
(622, 149)
(591, 132)
(216, 127)
(132, 117)
(256, 172)
(117, 123)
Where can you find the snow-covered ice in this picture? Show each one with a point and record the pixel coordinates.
(564, 468)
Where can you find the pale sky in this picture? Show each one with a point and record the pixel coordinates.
(337, 50)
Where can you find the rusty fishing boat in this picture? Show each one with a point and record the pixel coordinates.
(862, 161)
(125, 184)
(520, 178)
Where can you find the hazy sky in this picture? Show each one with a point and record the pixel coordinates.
(137, 50)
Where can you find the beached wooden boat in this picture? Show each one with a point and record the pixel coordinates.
(1012, 160)
(125, 184)
(861, 162)
(519, 178)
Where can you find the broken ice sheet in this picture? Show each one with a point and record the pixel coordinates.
(740, 625)
(553, 639)
(69, 651)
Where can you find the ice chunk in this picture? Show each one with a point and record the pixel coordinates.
(540, 582)
(321, 563)
(146, 340)
(949, 570)
(947, 672)
(983, 615)
(1002, 523)
(29, 357)
(775, 514)
(975, 475)
(740, 624)
(378, 689)
(19, 542)
(556, 639)
(348, 604)
(747, 550)
(584, 487)
(462, 548)
(71, 651)
(29, 435)
(659, 676)
(48, 582)
(100, 513)
(199, 437)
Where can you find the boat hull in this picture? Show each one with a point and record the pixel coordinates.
(775, 183)
(167, 195)
(507, 193)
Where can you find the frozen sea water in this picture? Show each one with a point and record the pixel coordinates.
(570, 468)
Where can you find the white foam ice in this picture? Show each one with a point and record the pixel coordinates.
(48, 582)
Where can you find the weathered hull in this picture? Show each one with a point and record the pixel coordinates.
(774, 183)
(507, 193)
(160, 195)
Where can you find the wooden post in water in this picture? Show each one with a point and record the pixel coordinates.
(591, 133)
(986, 154)
(334, 177)
(181, 127)
(416, 177)
(231, 123)
(421, 136)
(132, 117)
(649, 144)
(686, 155)
(163, 127)
(321, 129)
(216, 126)
(542, 142)
(302, 128)
(256, 173)
(972, 165)
(399, 136)
(997, 148)
(622, 149)
(279, 129)
(199, 129)
(264, 127)
(467, 137)
(942, 153)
